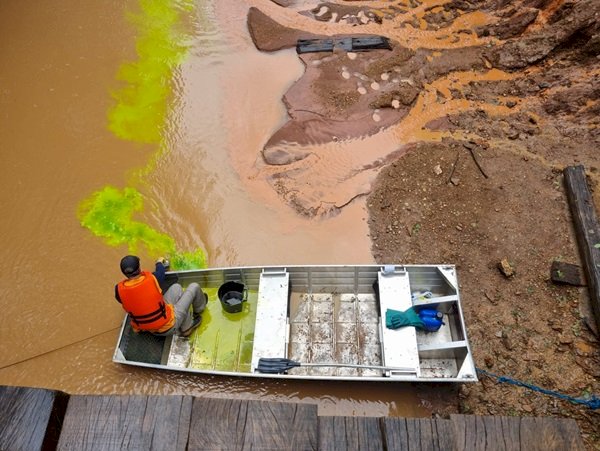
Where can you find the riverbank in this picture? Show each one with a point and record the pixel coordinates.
(463, 128)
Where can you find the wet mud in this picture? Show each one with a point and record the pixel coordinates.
(464, 128)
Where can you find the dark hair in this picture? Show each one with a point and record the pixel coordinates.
(130, 265)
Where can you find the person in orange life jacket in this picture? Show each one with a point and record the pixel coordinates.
(150, 309)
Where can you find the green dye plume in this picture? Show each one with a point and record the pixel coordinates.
(108, 213)
(139, 115)
(141, 105)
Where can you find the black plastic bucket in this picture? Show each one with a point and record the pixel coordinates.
(231, 295)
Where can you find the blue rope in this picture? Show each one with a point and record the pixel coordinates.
(593, 402)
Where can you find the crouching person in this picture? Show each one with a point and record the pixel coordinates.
(151, 310)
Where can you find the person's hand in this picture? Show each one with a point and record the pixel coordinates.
(163, 261)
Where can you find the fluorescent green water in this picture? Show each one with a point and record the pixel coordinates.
(141, 104)
(108, 213)
(224, 340)
(139, 114)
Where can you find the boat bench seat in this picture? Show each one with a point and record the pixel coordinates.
(271, 329)
(399, 346)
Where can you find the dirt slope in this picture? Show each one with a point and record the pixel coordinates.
(484, 103)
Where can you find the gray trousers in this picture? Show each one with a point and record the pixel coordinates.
(181, 301)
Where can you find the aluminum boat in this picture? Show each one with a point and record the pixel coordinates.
(315, 322)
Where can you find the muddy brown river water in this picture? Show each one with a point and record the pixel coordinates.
(58, 66)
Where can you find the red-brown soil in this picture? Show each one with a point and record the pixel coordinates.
(477, 183)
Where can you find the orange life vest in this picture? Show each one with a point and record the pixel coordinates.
(142, 298)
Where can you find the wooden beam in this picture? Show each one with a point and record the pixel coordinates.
(235, 424)
(419, 434)
(507, 433)
(587, 230)
(350, 433)
(30, 418)
(566, 274)
(126, 422)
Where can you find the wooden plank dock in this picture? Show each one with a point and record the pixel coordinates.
(36, 419)
(587, 230)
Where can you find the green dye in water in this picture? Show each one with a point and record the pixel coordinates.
(141, 105)
(224, 340)
(139, 115)
(108, 213)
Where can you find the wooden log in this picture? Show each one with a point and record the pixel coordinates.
(126, 422)
(30, 418)
(587, 230)
(550, 434)
(418, 433)
(566, 274)
(233, 424)
(337, 433)
(507, 433)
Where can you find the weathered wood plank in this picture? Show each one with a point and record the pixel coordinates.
(515, 433)
(424, 431)
(413, 428)
(30, 418)
(477, 433)
(126, 422)
(509, 431)
(230, 424)
(418, 433)
(566, 273)
(364, 433)
(445, 434)
(332, 433)
(395, 433)
(548, 434)
(587, 230)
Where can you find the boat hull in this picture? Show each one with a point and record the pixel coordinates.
(330, 320)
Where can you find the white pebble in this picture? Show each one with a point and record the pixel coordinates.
(362, 90)
(375, 86)
(351, 55)
(376, 117)
(385, 76)
(396, 103)
(346, 75)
